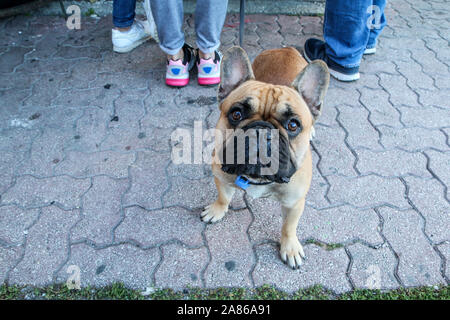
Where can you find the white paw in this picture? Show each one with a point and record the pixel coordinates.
(213, 213)
(291, 252)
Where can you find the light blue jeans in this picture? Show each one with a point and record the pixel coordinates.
(351, 26)
(169, 15)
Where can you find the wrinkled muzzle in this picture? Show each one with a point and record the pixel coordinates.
(258, 150)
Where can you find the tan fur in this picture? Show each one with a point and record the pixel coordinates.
(278, 66)
(269, 94)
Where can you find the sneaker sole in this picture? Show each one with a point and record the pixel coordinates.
(131, 46)
(370, 50)
(337, 75)
(208, 81)
(177, 82)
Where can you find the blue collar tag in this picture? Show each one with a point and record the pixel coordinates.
(241, 182)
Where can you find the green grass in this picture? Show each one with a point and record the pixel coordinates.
(119, 292)
(90, 12)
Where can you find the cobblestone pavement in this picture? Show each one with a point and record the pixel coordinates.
(86, 176)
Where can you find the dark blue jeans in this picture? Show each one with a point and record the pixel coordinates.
(123, 13)
(351, 26)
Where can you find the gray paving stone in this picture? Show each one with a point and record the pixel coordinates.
(335, 225)
(11, 111)
(430, 64)
(367, 191)
(44, 90)
(72, 102)
(151, 228)
(381, 65)
(90, 130)
(125, 81)
(381, 111)
(96, 97)
(46, 247)
(14, 224)
(412, 139)
(101, 210)
(428, 197)
(360, 132)
(8, 258)
(372, 268)
(17, 80)
(336, 157)
(318, 189)
(123, 263)
(415, 78)
(16, 139)
(232, 255)
(340, 96)
(392, 163)
(320, 267)
(46, 152)
(82, 165)
(181, 267)
(433, 118)
(36, 65)
(419, 263)
(8, 164)
(148, 180)
(180, 116)
(12, 58)
(445, 250)
(29, 191)
(267, 220)
(196, 194)
(338, 225)
(81, 75)
(399, 93)
(436, 98)
(189, 171)
(439, 164)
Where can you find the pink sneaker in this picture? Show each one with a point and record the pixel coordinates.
(177, 72)
(209, 70)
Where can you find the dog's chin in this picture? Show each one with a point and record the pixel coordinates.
(280, 177)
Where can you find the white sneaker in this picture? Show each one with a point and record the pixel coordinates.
(125, 41)
(370, 50)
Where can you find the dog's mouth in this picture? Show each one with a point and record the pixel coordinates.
(259, 153)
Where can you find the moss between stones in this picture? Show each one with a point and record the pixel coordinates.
(120, 292)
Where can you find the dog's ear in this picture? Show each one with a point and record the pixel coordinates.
(235, 70)
(312, 84)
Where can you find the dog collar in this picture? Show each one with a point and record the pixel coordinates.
(243, 182)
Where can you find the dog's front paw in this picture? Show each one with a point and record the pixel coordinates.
(291, 252)
(214, 212)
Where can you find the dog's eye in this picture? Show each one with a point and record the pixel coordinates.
(293, 125)
(236, 115)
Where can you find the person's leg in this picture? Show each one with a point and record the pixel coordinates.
(377, 24)
(127, 33)
(209, 19)
(123, 13)
(345, 30)
(168, 15)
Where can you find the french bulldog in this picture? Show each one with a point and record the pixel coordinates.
(278, 99)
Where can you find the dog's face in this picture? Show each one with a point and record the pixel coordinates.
(256, 109)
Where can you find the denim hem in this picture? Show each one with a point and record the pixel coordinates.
(209, 49)
(125, 24)
(352, 65)
(170, 52)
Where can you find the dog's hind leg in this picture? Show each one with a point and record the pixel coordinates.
(216, 211)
